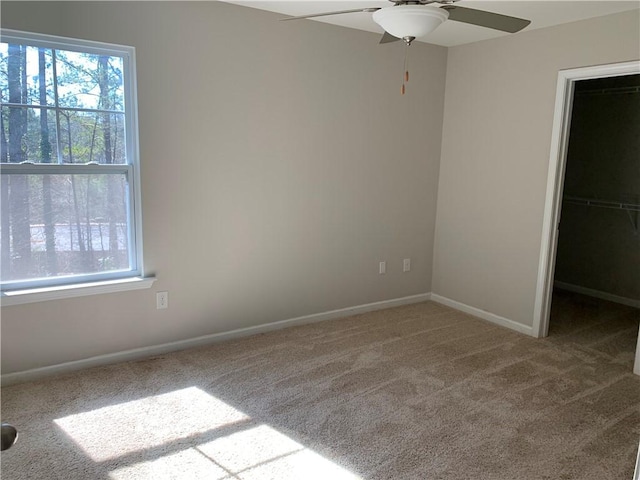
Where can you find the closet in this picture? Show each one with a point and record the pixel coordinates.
(598, 252)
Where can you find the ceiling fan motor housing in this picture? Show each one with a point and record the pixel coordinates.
(410, 20)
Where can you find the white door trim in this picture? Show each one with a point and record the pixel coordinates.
(555, 182)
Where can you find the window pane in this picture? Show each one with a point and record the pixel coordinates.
(59, 224)
(32, 69)
(30, 134)
(93, 137)
(89, 81)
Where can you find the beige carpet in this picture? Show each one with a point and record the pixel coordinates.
(416, 392)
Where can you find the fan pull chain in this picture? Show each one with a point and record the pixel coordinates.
(405, 74)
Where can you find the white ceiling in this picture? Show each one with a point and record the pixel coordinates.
(542, 13)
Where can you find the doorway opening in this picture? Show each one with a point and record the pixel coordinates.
(589, 262)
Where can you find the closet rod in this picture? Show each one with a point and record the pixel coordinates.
(594, 202)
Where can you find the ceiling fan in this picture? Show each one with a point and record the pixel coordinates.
(410, 19)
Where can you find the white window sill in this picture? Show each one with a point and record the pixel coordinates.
(32, 295)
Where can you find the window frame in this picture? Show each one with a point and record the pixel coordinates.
(131, 169)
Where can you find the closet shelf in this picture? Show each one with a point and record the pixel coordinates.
(610, 91)
(596, 202)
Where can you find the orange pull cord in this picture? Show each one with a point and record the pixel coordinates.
(405, 76)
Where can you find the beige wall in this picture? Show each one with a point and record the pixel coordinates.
(499, 103)
(279, 165)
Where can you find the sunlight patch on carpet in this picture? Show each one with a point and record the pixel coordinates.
(187, 464)
(190, 434)
(263, 452)
(116, 430)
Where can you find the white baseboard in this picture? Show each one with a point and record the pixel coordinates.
(491, 317)
(597, 294)
(139, 353)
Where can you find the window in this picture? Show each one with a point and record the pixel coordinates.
(70, 209)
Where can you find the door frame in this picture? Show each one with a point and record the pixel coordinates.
(555, 184)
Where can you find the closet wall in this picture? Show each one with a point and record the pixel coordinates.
(599, 240)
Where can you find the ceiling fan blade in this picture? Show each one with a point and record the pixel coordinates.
(482, 18)
(388, 38)
(324, 14)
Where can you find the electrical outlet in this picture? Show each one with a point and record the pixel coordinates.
(383, 268)
(406, 265)
(162, 300)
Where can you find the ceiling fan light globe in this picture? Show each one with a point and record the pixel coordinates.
(410, 20)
